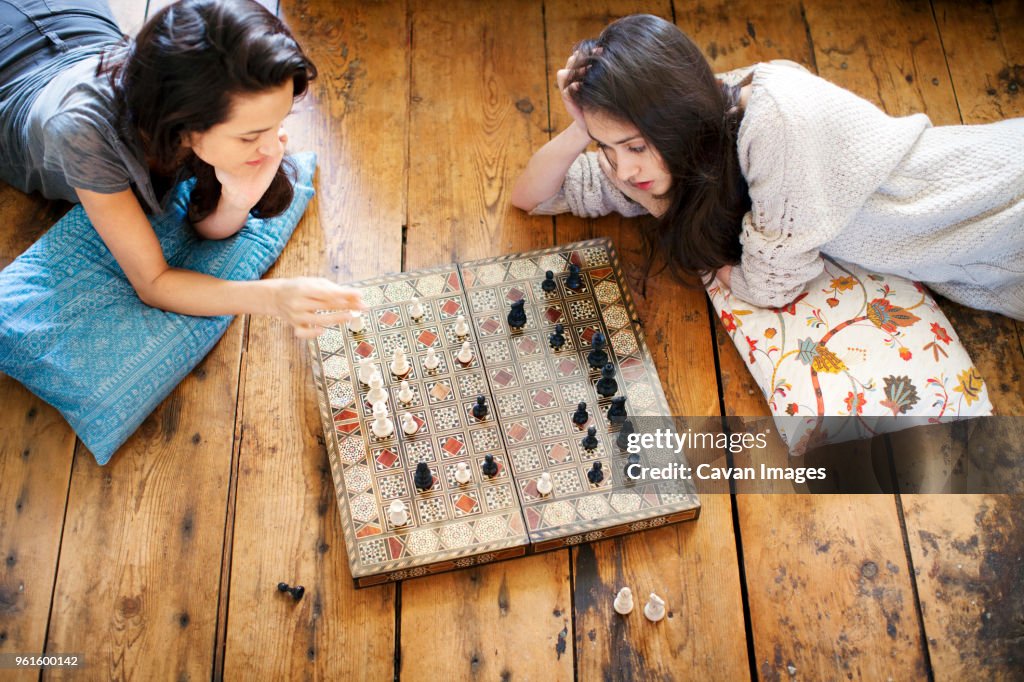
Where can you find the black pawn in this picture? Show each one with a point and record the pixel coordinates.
(623, 440)
(573, 281)
(297, 592)
(596, 475)
(617, 410)
(557, 340)
(517, 315)
(606, 385)
(633, 459)
(580, 416)
(548, 285)
(480, 409)
(598, 357)
(423, 479)
(489, 467)
(589, 441)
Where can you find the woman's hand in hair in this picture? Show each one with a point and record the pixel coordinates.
(654, 205)
(243, 189)
(311, 304)
(568, 80)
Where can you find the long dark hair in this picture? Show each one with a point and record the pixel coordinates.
(179, 76)
(650, 74)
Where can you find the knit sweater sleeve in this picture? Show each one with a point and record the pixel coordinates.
(589, 193)
(812, 153)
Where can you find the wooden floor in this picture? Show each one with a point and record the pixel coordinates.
(163, 564)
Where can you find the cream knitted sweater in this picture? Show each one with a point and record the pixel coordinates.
(828, 172)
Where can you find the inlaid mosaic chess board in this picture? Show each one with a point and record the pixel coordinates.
(532, 391)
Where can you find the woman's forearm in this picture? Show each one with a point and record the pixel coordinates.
(194, 293)
(545, 172)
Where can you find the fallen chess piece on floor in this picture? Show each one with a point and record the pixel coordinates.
(296, 591)
(623, 603)
(655, 608)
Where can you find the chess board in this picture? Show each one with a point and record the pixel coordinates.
(532, 390)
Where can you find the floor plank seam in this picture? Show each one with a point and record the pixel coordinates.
(945, 60)
(60, 544)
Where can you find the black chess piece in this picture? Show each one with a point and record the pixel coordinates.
(489, 467)
(573, 281)
(557, 340)
(517, 314)
(580, 416)
(480, 409)
(617, 410)
(598, 357)
(423, 479)
(607, 386)
(548, 285)
(296, 591)
(596, 475)
(589, 441)
(624, 433)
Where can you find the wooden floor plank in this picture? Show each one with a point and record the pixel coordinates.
(477, 89)
(704, 632)
(287, 526)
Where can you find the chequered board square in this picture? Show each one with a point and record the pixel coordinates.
(503, 377)
(558, 453)
(552, 313)
(389, 342)
(511, 404)
(567, 366)
(496, 352)
(417, 396)
(471, 384)
(445, 418)
(525, 459)
(372, 552)
(595, 256)
(453, 339)
(490, 325)
(582, 310)
(485, 440)
(385, 458)
(364, 348)
(389, 318)
(428, 313)
(452, 447)
(535, 371)
(466, 503)
(392, 486)
(513, 293)
(518, 431)
(418, 451)
(573, 393)
(442, 365)
(543, 398)
(439, 391)
(432, 510)
(483, 299)
(426, 338)
(567, 481)
(450, 308)
(529, 344)
(498, 497)
(450, 468)
(550, 425)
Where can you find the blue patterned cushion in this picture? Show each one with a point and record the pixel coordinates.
(74, 332)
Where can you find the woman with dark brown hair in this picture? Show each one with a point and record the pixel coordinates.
(88, 115)
(751, 183)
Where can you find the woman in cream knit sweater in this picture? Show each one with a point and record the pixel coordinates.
(752, 182)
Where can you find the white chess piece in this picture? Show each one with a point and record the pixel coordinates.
(623, 603)
(381, 426)
(409, 424)
(397, 514)
(416, 309)
(400, 363)
(366, 370)
(655, 608)
(405, 393)
(431, 361)
(465, 355)
(376, 393)
(544, 484)
(462, 473)
(461, 328)
(357, 323)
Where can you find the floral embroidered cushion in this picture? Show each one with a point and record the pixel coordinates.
(875, 349)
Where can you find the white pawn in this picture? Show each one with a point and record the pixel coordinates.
(416, 309)
(376, 393)
(357, 323)
(381, 426)
(462, 473)
(431, 361)
(397, 514)
(400, 363)
(465, 355)
(461, 328)
(366, 370)
(405, 393)
(623, 603)
(655, 608)
(409, 424)
(544, 484)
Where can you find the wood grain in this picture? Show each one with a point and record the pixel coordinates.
(475, 93)
(287, 526)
